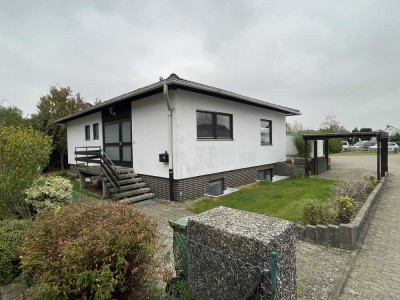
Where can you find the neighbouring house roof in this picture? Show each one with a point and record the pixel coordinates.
(173, 81)
(391, 128)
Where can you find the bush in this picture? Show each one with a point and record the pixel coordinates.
(346, 209)
(335, 146)
(22, 151)
(355, 189)
(90, 250)
(11, 237)
(48, 192)
(316, 212)
(300, 145)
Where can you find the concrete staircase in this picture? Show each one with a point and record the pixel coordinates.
(131, 190)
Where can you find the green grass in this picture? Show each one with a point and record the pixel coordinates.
(354, 153)
(283, 199)
(76, 188)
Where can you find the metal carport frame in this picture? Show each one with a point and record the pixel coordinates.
(381, 153)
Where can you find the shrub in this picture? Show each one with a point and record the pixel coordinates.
(335, 146)
(300, 145)
(355, 189)
(22, 151)
(346, 209)
(90, 250)
(316, 212)
(48, 192)
(11, 237)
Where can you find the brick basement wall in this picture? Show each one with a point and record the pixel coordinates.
(195, 187)
(158, 185)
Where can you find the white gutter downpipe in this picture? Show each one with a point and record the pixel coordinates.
(170, 146)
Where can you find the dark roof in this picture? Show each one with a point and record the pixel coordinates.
(327, 136)
(173, 81)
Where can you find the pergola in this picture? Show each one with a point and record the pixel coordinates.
(381, 153)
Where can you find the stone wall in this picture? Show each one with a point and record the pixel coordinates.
(346, 236)
(228, 248)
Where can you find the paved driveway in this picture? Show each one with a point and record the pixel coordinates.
(376, 270)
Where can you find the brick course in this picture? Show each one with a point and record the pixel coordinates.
(195, 187)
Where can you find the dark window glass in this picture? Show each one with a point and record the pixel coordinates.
(96, 131)
(265, 174)
(87, 132)
(266, 132)
(223, 126)
(204, 124)
(212, 125)
(216, 187)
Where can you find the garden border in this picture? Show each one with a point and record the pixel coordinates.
(345, 236)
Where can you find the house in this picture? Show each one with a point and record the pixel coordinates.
(182, 138)
(391, 130)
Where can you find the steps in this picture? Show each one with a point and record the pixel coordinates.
(132, 189)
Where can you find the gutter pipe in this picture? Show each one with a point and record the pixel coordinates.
(170, 146)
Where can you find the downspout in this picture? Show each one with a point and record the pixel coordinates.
(170, 146)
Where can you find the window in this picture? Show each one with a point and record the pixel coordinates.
(266, 132)
(213, 125)
(216, 187)
(265, 174)
(96, 131)
(87, 132)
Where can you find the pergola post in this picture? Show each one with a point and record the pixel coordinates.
(306, 174)
(378, 158)
(315, 157)
(326, 153)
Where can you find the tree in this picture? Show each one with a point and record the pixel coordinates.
(331, 125)
(59, 103)
(10, 116)
(395, 137)
(22, 151)
(355, 130)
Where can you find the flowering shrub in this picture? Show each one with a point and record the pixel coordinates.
(316, 212)
(48, 192)
(91, 250)
(11, 236)
(346, 209)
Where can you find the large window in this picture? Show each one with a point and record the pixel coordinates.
(213, 125)
(266, 132)
(87, 132)
(96, 131)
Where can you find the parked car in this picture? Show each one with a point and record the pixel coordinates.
(362, 145)
(345, 146)
(391, 147)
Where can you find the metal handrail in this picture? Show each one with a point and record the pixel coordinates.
(107, 167)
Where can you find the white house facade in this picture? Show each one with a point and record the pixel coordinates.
(213, 139)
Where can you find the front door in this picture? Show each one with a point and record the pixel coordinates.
(118, 142)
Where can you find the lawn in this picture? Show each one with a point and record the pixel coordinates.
(283, 199)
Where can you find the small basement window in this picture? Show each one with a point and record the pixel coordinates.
(216, 187)
(265, 174)
(87, 132)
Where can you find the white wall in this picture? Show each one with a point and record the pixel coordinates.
(292, 151)
(199, 157)
(76, 134)
(150, 135)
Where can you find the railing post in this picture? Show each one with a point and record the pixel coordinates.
(272, 275)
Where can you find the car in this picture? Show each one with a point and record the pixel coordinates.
(391, 147)
(362, 145)
(345, 146)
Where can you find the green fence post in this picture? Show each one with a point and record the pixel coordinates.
(272, 275)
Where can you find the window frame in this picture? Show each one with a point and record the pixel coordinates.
(96, 134)
(87, 132)
(270, 133)
(214, 135)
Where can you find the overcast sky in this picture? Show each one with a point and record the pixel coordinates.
(321, 57)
